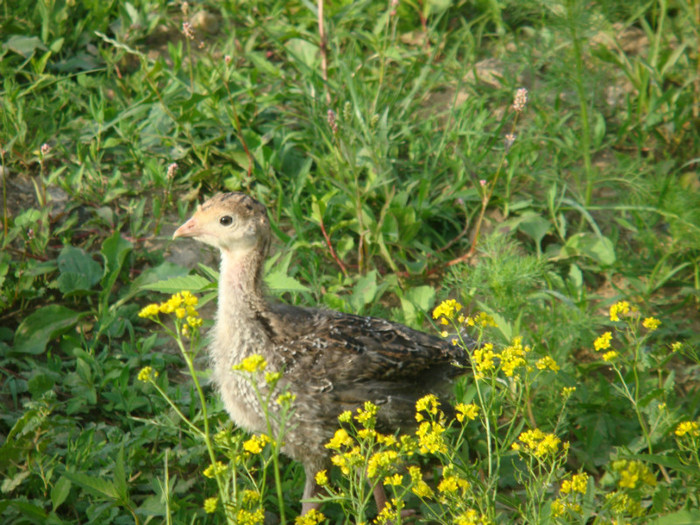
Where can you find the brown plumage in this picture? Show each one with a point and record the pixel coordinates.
(331, 361)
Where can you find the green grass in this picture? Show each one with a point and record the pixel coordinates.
(391, 187)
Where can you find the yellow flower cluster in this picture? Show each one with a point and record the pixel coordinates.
(560, 505)
(602, 342)
(619, 308)
(246, 517)
(510, 359)
(380, 461)
(252, 363)
(210, 505)
(313, 517)
(547, 362)
(651, 323)
(577, 483)
(367, 415)
(537, 443)
(390, 513)
(182, 304)
(256, 443)
(147, 374)
(430, 437)
(621, 503)
(691, 428)
(633, 474)
(446, 311)
(321, 478)
(470, 411)
(610, 356)
(214, 470)
(429, 404)
(395, 480)
(420, 488)
(250, 497)
(568, 391)
(339, 440)
(450, 484)
(472, 517)
(481, 319)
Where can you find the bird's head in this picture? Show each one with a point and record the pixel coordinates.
(232, 222)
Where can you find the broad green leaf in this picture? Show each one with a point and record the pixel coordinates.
(24, 45)
(536, 227)
(60, 491)
(114, 252)
(364, 291)
(193, 283)
(98, 486)
(79, 271)
(48, 322)
(281, 282)
(682, 517)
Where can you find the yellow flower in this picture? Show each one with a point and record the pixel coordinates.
(321, 478)
(245, 517)
(578, 483)
(210, 504)
(339, 440)
(345, 417)
(603, 342)
(688, 427)
(447, 309)
(379, 461)
(396, 479)
(180, 313)
(194, 322)
(675, 347)
(213, 470)
(451, 484)
(470, 411)
(313, 517)
(147, 374)
(420, 488)
(188, 298)
(484, 358)
(547, 362)
(651, 323)
(149, 311)
(271, 378)
(567, 391)
(538, 443)
(622, 307)
(285, 398)
(256, 444)
(430, 438)
(250, 497)
(471, 517)
(557, 508)
(428, 404)
(633, 474)
(253, 363)
(389, 514)
(610, 356)
(366, 416)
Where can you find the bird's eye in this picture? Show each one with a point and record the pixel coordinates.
(226, 220)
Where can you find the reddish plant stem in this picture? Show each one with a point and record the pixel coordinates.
(330, 248)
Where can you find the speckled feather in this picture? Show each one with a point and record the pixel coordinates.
(331, 361)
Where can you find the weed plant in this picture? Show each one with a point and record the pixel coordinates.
(525, 171)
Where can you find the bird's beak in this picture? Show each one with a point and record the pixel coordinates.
(189, 229)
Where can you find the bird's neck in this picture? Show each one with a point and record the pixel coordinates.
(240, 284)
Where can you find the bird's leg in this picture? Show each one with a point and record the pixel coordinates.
(311, 489)
(381, 499)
